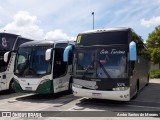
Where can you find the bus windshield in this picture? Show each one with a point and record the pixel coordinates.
(85, 59)
(30, 61)
(112, 65)
(104, 38)
(101, 63)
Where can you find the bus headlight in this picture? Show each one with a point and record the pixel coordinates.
(43, 81)
(119, 88)
(77, 86)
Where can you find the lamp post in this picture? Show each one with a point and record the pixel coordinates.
(93, 19)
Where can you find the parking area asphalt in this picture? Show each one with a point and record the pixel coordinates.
(66, 106)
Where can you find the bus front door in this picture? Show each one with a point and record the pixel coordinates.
(59, 71)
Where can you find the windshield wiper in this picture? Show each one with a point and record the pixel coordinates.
(24, 68)
(105, 71)
(86, 70)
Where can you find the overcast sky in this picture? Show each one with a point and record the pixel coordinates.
(64, 19)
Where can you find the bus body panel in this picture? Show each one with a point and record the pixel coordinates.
(29, 83)
(7, 76)
(110, 95)
(63, 82)
(34, 84)
(140, 75)
(101, 84)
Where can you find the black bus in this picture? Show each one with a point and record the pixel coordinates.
(110, 64)
(8, 42)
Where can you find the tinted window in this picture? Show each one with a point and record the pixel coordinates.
(61, 45)
(112, 63)
(103, 38)
(30, 61)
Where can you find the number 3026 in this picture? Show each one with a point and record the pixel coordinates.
(121, 85)
(4, 42)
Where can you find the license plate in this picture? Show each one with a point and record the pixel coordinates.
(96, 94)
(28, 88)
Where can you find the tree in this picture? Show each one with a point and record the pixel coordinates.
(153, 43)
(155, 55)
(140, 46)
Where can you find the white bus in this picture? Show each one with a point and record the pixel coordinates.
(8, 42)
(39, 67)
(110, 64)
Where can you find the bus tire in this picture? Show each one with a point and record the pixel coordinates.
(147, 81)
(11, 86)
(70, 86)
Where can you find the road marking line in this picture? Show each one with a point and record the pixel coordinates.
(142, 106)
(145, 101)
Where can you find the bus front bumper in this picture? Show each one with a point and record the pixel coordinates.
(45, 88)
(109, 95)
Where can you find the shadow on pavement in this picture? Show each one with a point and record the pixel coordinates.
(62, 97)
(147, 100)
(6, 94)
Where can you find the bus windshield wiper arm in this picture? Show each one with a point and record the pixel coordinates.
(26, 66)
(105, 71)
(86, 70)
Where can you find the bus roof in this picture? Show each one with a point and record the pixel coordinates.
(11, 34)
(106, 30)
(45, 43)
(3, 33)
(11, 41)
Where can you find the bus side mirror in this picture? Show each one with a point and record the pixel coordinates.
(66, 53)
(48, 54)
(132, 51)
(6, 56)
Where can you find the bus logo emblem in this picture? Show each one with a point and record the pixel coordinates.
(78, 39)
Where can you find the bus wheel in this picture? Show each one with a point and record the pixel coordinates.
(12, 87)
(147, 81)
(70, 87)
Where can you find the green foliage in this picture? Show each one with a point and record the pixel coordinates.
(141, 48)
(155, 55)
(145, 54)
(136, 37)
(153, 43)
(155, 74)
(154, 38)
